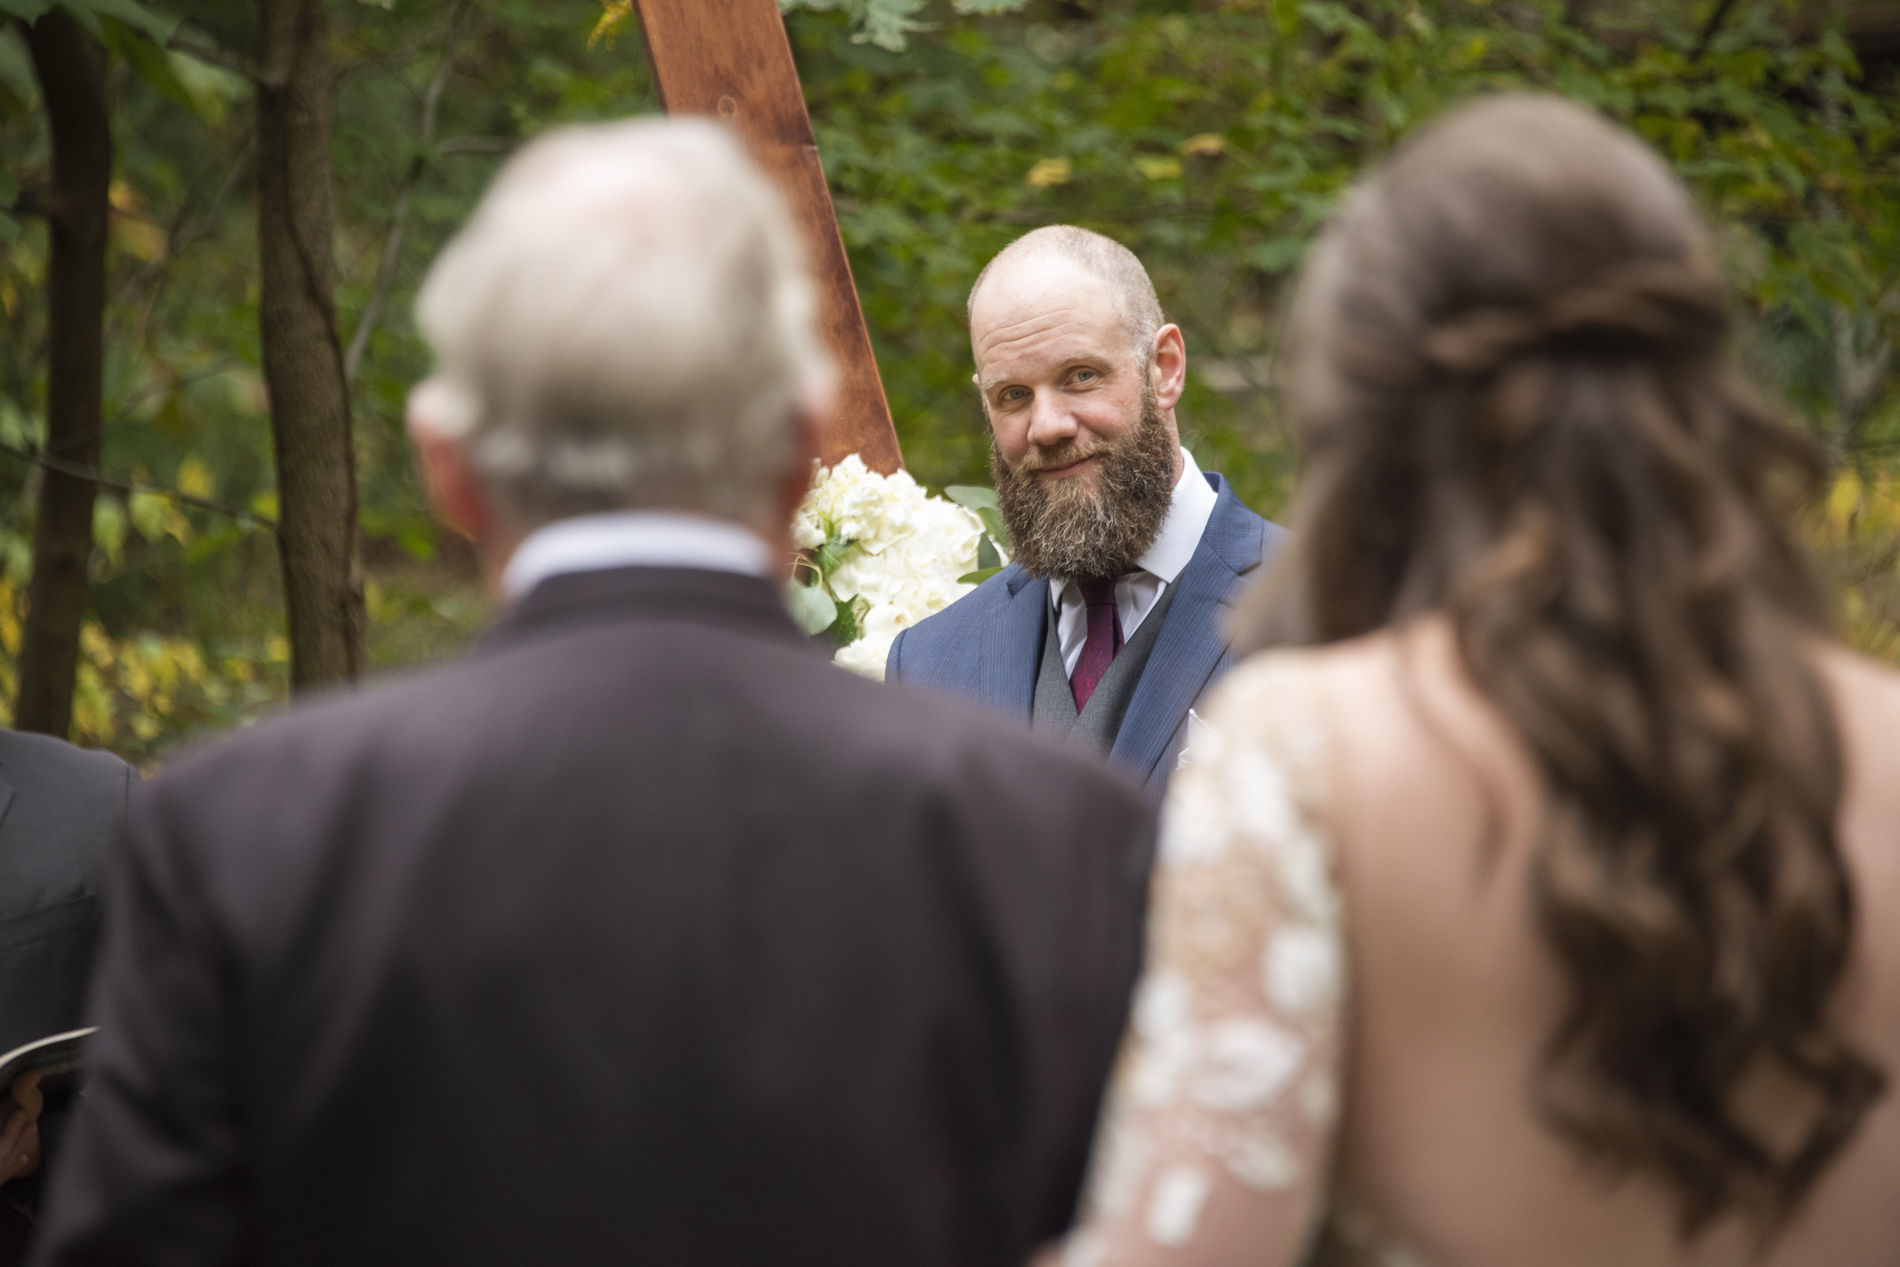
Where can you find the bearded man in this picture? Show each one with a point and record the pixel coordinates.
(1109, 624)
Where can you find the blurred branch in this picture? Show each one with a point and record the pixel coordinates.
(123, 412)
(186, 233)
(389, 61)
(196, 44)
(31, 202)
(79, 470)
(399, 218)
(1709, 30)
(1860, 367)
(476, 145)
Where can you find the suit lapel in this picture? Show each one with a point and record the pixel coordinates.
(1192, 639)
(1012, 646)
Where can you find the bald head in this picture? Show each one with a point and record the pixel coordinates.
(1103, 258)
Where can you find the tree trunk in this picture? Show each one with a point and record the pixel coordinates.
(303, 360)
(71, 70)
(1860, 366)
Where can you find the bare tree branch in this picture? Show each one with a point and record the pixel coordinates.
(1709, 29)
(476, 145)
(185, 234)
(1860, 366)
(125, 410)
(79, 470)
(399, 218)
(189, 234)
(388, 60)
(195, 43)
(33, 202)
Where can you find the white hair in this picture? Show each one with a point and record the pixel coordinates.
(626, 321)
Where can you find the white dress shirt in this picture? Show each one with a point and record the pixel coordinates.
(633, 538)
(1137, 593)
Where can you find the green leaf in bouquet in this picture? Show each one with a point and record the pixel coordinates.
(993, 524)
(972, 497)
(987, 557)
(978, 577)
(813, 610)
(981, 502)
(849, 627)
(828, 557)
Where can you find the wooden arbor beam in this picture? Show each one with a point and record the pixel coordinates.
(731, 59)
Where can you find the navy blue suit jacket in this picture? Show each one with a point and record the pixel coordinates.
(987, 645)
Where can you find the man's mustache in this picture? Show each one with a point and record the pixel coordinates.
(1056, 459)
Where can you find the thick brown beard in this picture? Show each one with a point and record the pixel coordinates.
(1101, 532)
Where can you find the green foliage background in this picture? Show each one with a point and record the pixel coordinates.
(1211, 136)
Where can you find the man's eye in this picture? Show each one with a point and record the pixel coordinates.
(1012, 394)
(1083, 376)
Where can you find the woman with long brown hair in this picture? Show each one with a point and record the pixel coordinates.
(1535, 901)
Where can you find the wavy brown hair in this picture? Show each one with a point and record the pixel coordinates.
(1509, 371)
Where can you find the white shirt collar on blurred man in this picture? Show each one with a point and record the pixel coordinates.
(633, 538)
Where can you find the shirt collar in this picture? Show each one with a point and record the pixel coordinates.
(633, 538)
(1180, 535)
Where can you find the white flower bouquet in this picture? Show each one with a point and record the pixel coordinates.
(877, 554)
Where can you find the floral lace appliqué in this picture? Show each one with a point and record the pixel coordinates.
(1227, 1091)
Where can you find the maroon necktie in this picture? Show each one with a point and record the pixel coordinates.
(1104, 640)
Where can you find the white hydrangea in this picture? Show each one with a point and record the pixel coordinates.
(906, 551)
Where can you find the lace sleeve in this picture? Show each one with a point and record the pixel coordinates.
(1216, 1144)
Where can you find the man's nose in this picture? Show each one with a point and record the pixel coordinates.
(1050, 423)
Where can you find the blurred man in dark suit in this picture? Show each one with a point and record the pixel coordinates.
(61, 810)
(644, 934)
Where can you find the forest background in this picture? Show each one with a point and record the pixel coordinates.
(1213, 137)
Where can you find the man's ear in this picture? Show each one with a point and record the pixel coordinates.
(455, 493)
(808, 427)
(1168, 366)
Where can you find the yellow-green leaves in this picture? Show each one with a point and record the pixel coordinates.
(1049, 171)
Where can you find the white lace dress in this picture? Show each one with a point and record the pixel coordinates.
(1217, 1143)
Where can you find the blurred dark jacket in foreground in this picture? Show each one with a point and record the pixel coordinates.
(62, 809)
(645, 935)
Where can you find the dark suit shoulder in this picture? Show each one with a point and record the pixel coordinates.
(62, 809)
(944, 646)
(986, 599)
(54, 764)
(286, 781)
(709, 748)
(581, 708)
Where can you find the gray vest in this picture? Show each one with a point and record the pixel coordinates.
(1053, 712)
